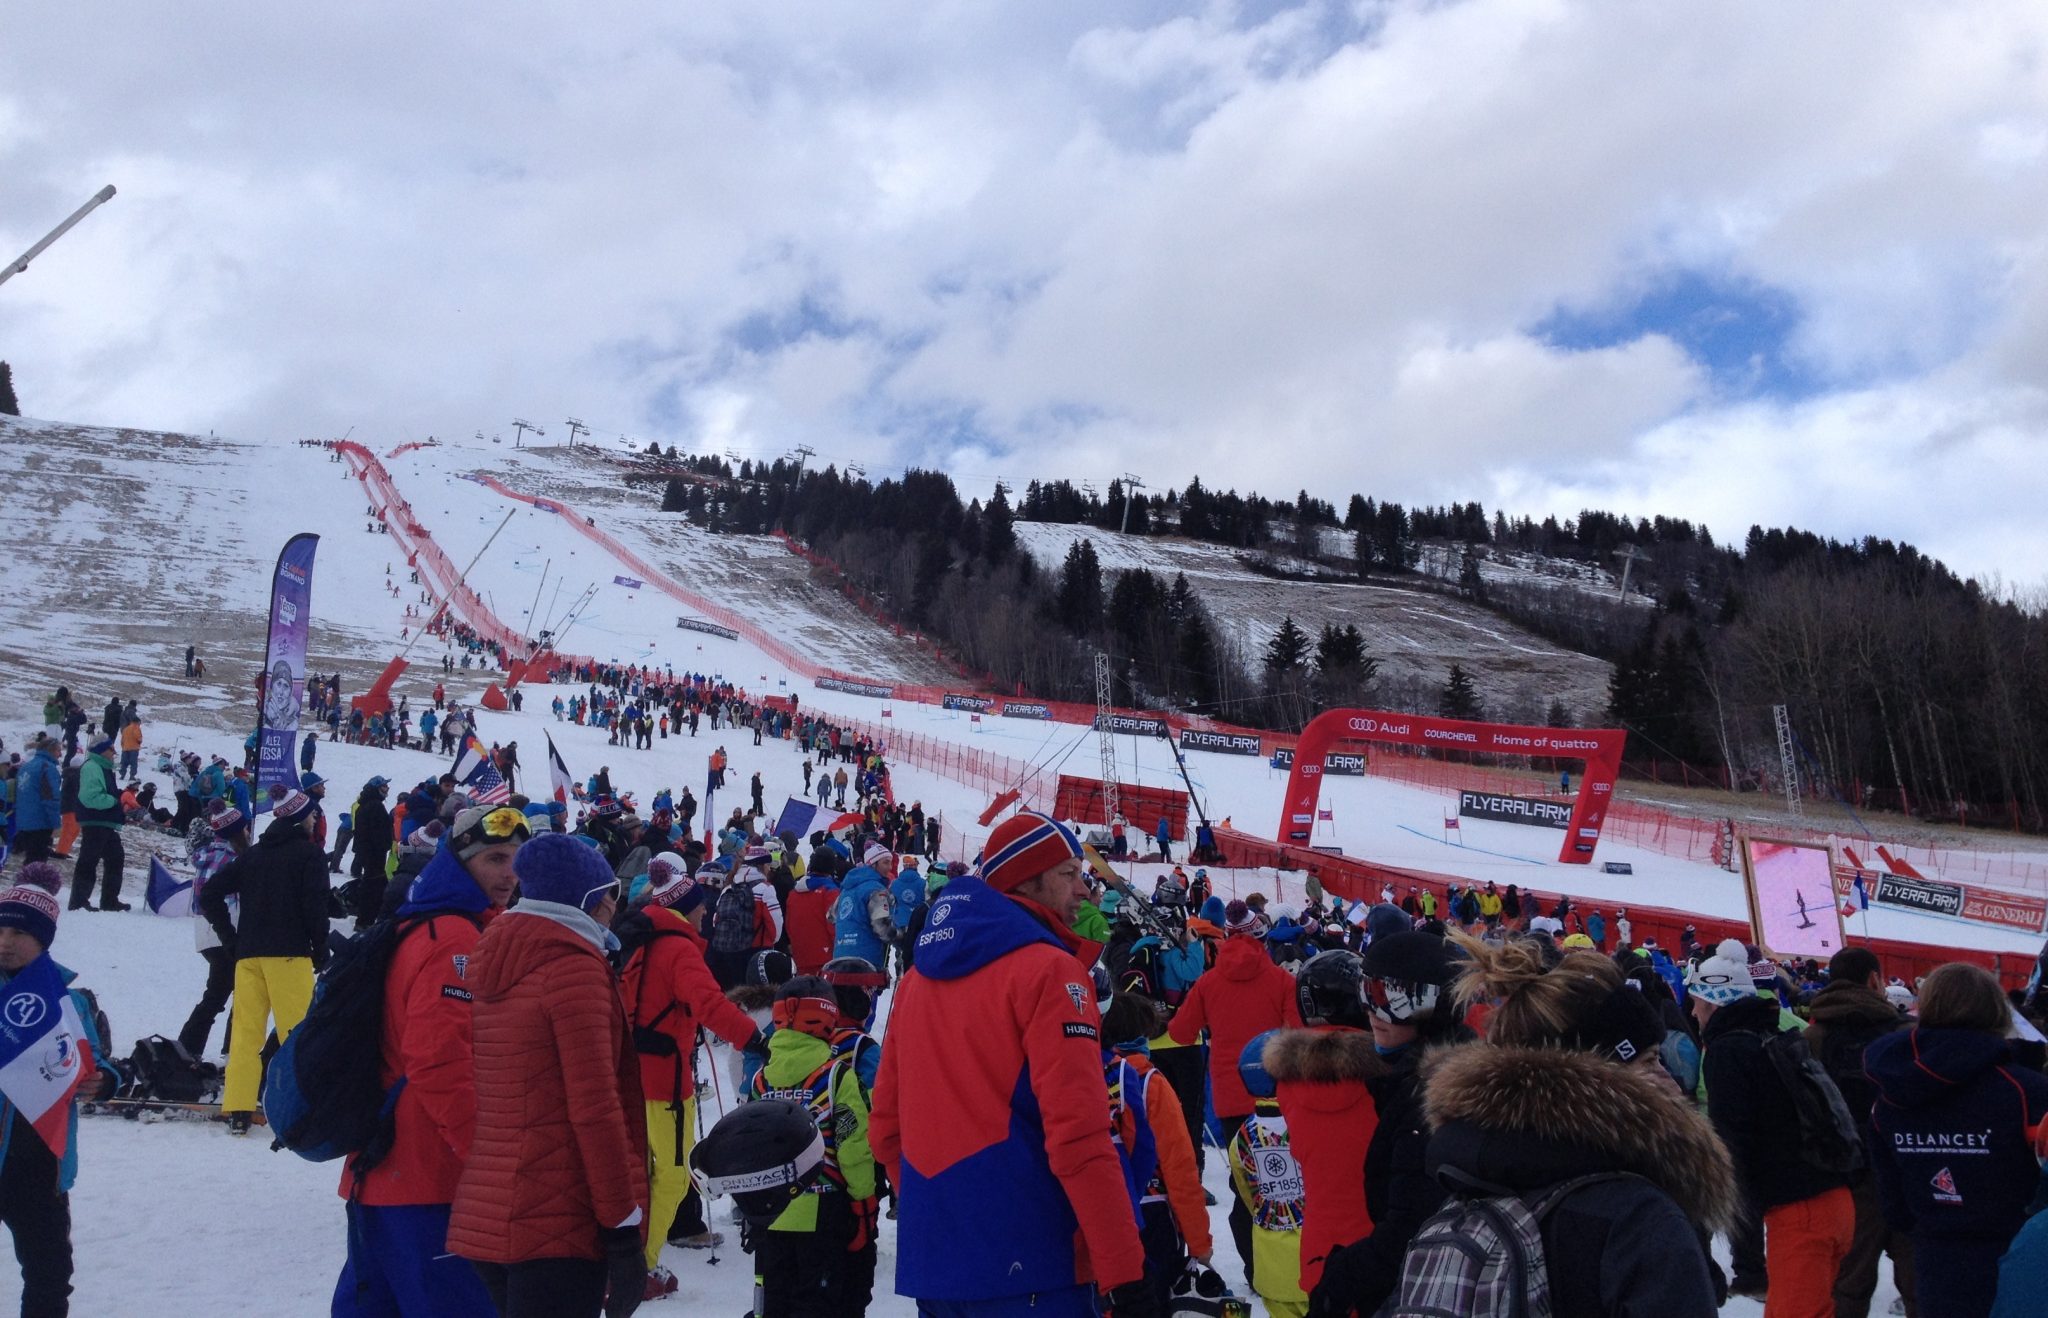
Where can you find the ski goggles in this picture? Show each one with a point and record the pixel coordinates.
(1400, 1004)
(505, 823)
(611, 888)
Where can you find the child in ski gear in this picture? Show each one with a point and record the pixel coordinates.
(1323, 1074)
(35, 1177)
(1268, 1183)
(1173, 1220)
(215, 840)
(817, 1260)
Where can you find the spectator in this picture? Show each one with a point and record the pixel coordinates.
(398, 1260)
(1848, 1015)
(279, 937)
(35, 1183)
(552, 1202)
(1030, 1114)
(99, 818)
(1957, 1125)
(1809, 1216)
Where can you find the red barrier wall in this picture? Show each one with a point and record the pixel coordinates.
(1083, 799)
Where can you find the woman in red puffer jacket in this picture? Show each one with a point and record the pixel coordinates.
(553, 1200)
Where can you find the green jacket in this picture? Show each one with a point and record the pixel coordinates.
(99, 797)
(1091, 923)
(793, 1057)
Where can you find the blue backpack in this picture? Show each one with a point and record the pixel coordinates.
(322, 1096)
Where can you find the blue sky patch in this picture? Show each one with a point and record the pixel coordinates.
(1738, 330)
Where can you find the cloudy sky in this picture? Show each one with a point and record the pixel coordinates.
(1743, 262)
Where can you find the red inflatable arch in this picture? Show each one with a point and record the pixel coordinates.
(1599, 748)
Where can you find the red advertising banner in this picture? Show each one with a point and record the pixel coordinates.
(2010, 909)
(1599, 748)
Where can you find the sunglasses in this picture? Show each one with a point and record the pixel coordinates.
(601, 891)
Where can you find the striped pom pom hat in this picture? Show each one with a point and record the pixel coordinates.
(1024, 846)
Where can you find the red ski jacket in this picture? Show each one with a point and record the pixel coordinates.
(1241, 998)
(561, 1144)
(427, 1041)
(1321, 1073)
(991, 1113)
(668, 988)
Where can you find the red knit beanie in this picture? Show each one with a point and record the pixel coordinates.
(1024, 846)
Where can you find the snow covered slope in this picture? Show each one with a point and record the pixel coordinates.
(1416, 635)
(124, 546)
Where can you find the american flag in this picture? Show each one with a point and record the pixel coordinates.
(479, 778)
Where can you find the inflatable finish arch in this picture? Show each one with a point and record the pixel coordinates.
(1599, 748)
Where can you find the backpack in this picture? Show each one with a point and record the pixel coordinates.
(1482, 1256)
(732, 927)
(161, 1069)
(1827, 1133)
(323, 1097)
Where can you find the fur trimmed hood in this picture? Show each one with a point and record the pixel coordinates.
(1323, 1056)
(1525, 1117)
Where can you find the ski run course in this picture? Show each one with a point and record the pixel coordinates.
(126, 545)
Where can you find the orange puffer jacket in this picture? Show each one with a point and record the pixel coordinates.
(561, 1146)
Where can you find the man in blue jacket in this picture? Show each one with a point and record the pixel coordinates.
(907, 896)
(38, 804)
(863, 918)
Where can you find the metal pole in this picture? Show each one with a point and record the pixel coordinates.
(20, 263)
(456, 589)
(531, 618)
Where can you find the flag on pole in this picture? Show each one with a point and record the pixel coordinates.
(477, 776)
(168, 894)
(565, 786)
(1326, 814)
(43, 1051)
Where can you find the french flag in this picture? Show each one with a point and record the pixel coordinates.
(44, 1056)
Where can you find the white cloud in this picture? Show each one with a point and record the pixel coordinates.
(1284, 247)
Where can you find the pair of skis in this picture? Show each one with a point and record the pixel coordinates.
(134, 1108)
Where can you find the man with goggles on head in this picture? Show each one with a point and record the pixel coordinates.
(398, 1258)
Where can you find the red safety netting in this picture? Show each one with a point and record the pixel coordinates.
(439, 575)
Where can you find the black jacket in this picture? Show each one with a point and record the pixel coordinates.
(373, 828)
(1953, 1123)
(1519, 1120)
(1752, 1110)
(1844, 1019)
(282, 882)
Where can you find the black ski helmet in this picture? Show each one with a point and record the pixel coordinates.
(770, 968)
(764, 1154)
(856, 983)
(1331, 990)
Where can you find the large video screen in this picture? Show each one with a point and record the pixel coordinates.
(1792, 898)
